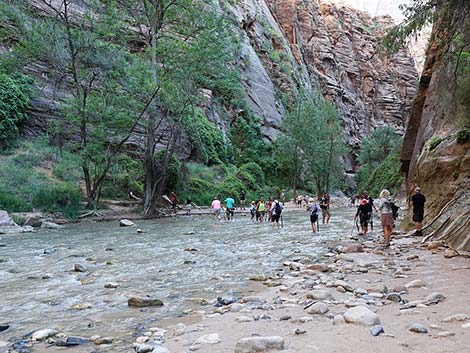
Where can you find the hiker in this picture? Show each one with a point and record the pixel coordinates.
(370, 200)
(276, 210)
(418, 200)
(242, 200)
(189, 205)
(216, 207)
(325, 208)
(174, 201)
(353, 200)
(298, 201)
(261, 209)
(253, 210)
(230, 209)
(313, 208)
(386, 211)
(283, 197)
(269, 204)
(363, 212)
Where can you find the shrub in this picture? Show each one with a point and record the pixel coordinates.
(231, 186)
(255, 170)
(12, 203)
(463, 136)
(15, 93)
(20, 220)
(63, 197)
(435, 142)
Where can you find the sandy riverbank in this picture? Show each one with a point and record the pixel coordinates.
(279, 310)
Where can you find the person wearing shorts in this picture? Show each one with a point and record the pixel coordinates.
(276, 210)
(386, 215)
(313, 208)
(261, 209)
(230, 210)
(242, 200)
(325, 208)
(216, 207)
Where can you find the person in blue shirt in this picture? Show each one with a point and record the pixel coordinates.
(230, 209)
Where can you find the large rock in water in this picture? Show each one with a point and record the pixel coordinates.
(43, 334)
(143, 301)
(5, 219)
(362, 316)
(126, 223)
(259, 344)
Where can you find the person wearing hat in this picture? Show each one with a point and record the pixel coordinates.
(418, 200)
(363, 211)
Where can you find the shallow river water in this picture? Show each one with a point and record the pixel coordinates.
(153, 263)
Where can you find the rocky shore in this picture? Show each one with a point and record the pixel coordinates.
(357, 297)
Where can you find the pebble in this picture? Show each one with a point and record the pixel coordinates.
(318, 308)
(79, 268)
(449, 253)
(412, 257)
(361, 315)
(143, 348)
(318, 267)
(142, 339)
(320, 294)
(43, 334)
(244, 319)
(434, 298)
(338, 319)
(285, 318)
(345, 285)
(394, 297)
(418, 328)
(446, 334)
(300, 331)
(126, 223)
(377, 288)
(457, 318)
(435, 245)
(111, 285)
(376, 330)
(259, 344)
(467, 325)
(139, 231)
(417, 283)
(400, 289)
(211, 338)
(180, 329)
(4, 327)
(142, 302)
(236, 307)
(72, 341)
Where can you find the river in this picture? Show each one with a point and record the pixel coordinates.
(39, 287)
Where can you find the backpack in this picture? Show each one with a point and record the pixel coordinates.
(277, 208)
(314, 211)
(395, 210)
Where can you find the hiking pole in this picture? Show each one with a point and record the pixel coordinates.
(282, 222)
(318, 226)
(372, 221)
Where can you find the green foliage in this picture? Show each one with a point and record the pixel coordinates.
(254, 170)
(208, 141)
(463, 136)
(63, 197)
(231, 186)
(386, 176)
(125, 176)
(15, 93)
(378, 146)
(20, 220)
(436, 141)
(12, 203)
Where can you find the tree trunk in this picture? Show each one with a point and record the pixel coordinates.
(294, 177)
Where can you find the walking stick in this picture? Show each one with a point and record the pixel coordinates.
(282, 222)
(372, 221)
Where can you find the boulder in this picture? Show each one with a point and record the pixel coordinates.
(34, 221)
(320, 294)
(5, 220)
(211, 338)
(144, 301)
(362, 316)
(126, 223)
(79, 268)
(259, 344)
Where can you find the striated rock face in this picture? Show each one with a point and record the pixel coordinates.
(340, 47)
(432, 158)
(289, 44)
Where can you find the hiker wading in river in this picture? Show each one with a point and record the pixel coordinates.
(313, 209)
(386, 212)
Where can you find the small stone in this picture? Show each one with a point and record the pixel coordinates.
(418, 328)
(47, 276)
(304, 319)
(361, 315)
(180, 329)
(394, 297)
(72, 341)
(435, 245)
(341, 289)
(467, 325)
(259, 344)
(400, 289)
(354, 248)
(79, 268)
(142, 339)
(450, 253)
(244, 319)
(142, 302)
(359, 292)
(94, 338)
(285, 318)
(43, 334)
(139, 231)
(4, 327)
(82, 306)
(144, 348)
(377, 288)
(126, 223)
(236, 307)
(446, 334)
(211, 338)
(51, 225)
(338, 319)
(320, 294)
(104, 340)
(376, 330)
(412, 257)
(345, 285)
(111, 285)
(318, 308)
(300, 331)
(434, 298)
(457, 318)
(318, 267)
(417, 283)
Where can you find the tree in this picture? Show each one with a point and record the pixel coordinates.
(378, 146)
(313, 142)
(186, 46)
(81, 55)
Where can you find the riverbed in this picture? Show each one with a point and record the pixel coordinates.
(179, 260)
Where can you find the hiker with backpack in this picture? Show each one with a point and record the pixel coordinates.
(364, 213)
(276, 211)
(418, 200)
(325, 208)
(313, 209)
(389, 212)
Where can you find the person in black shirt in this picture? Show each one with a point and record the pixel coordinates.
(242, 200)
(418, 200)
(364, 212)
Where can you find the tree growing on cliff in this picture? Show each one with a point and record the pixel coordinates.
(378, 146)
(313, 142)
